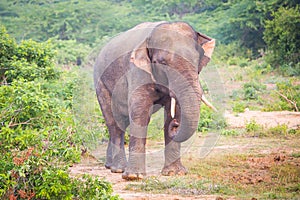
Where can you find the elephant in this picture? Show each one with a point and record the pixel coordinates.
(151, 66)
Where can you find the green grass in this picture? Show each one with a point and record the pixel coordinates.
(295, 155)
(179, 185)
(258, 86)
(239, 107)
(261, 172)
(282, 130)
(230, 132)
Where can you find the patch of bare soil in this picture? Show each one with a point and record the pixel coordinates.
(259, 169)
(266, 119)
(268, 152)
(89, 165)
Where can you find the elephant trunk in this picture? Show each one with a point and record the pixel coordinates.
(188, 98)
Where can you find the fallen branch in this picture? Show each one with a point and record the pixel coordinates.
(289, 101)
(11, 124)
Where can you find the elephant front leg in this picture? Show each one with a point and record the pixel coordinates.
(139, 119)
(136, 162)
(173, 165)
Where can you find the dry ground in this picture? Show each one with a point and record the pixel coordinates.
(266, 119)
(250, 161)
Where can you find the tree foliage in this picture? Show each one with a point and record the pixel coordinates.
(240, 21)
(89, 22)
(283, 37)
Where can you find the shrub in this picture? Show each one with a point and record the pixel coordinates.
(31, 61)
(282, 36)
(70, 52)
(290, 94)
(231, 53)
(286, 97)
(238, 107)
(279, 130)
(38, 136)
(290, 69)
(252, 89)
(253, 127)
(206, 118)
(26, 104)
(229, 132)
(210, 120)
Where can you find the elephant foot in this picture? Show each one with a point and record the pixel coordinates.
(133, 176)
(176, 168)
(134, 173)
(107, 166)
(115, 169)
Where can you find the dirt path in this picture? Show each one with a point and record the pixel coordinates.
(197, 147)
(267, 119)
(92, 167)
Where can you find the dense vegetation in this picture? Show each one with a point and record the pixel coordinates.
(38, 136)
(42, 124)
(254, 25)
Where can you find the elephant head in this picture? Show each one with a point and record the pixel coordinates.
(173, 55)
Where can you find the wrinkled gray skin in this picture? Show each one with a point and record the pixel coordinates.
(136, 74)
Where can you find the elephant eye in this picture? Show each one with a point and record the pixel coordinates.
(163, 62)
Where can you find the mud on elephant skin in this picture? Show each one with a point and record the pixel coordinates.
(151, 66)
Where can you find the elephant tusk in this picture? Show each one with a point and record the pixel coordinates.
(173, 104)
(208, 103)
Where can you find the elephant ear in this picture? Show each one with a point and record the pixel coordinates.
(208, 45)
(140, 58)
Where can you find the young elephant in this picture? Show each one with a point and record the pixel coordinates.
(150, 66)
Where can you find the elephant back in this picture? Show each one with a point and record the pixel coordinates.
(122, 45)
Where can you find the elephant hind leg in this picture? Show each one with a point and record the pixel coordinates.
(115, 154)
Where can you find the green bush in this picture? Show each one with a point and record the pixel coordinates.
(252, 89)
(285, 97)
(38, 136)
(206, 118)
(289, 93)
(279, 130)
(231, 53)
(239, 107)
(26, 104)
(282, 36)
(31, 165)
(254, 129)
(253, 126)
(92, 188)
(290, 69)
(70, 52)
(30, 61)
(228, 132)
(210, 120)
